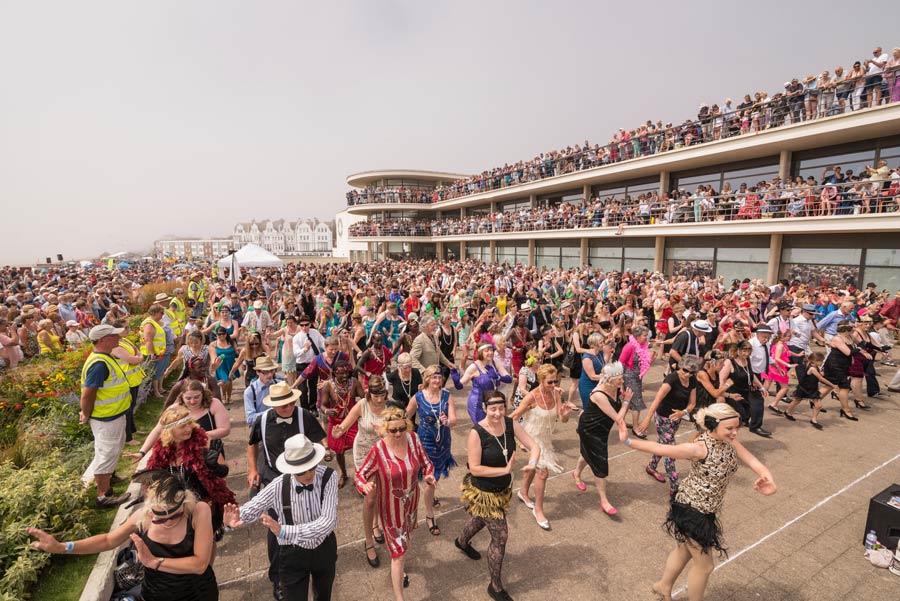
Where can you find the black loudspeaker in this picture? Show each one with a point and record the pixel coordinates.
(883, 518)
(59, 257)
(49, 260)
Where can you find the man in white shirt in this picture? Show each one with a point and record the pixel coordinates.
(257, 320)
(759, 362)
(803, 331)
(308, 343)
(874, 69)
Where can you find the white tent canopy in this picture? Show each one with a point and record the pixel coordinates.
(249, 256)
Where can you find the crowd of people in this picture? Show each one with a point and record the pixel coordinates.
(361, 358)
(876, 190)
(869, 82)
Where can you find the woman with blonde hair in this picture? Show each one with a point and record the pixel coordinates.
(48, 341)
(183, 449)
(397, 460)
(604, 410)
(542, 408)
(692, 519)
(172, 535)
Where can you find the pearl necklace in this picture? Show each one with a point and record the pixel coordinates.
(502, 446)
(435, 413)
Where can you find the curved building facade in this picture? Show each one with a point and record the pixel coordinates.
(543, 221)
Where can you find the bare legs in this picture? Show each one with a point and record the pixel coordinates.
(369, 507)
(397, 566)
(698, 576)
(601, 489)
(539, 477)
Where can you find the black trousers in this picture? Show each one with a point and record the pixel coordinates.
(757, 409)
(798, 361)
(308, 389)
(298, 565)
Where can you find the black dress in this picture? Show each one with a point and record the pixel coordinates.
(837, 368)
(162, 586)
(704, 399)
(593, 434)
(743, 379)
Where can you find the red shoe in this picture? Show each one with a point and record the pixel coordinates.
(579, 485)
(655, 475)
(612, 511)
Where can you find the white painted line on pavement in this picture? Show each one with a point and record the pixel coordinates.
(798, 518)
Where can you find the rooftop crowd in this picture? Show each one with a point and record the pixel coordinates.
(868, 82)
(876, 190)
(356, 357)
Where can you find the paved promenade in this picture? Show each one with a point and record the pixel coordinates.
(805, 542)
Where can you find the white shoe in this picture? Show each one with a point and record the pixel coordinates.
(545, 524)
(527, 503)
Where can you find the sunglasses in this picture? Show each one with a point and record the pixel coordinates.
(397, 430)
(553, 382)
(690, 372)
(174, 516)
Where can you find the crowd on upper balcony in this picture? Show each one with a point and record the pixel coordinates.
(867, 83)
(876, 190)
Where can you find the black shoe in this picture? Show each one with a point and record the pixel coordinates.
(378, 539)
(861, 405)
(789, 417)
(277, 592)
(111, 500)
(775, 410)
(372, 562)
(469, 550)
(852, 418)
(761, 432)
(500, 595)
(817, 425)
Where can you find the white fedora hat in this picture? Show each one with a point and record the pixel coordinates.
(300, 455)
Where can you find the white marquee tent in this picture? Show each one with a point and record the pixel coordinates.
(249, 256)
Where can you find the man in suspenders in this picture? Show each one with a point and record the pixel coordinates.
(304, 502)
(270, 431)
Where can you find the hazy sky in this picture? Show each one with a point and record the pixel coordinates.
(124, 121)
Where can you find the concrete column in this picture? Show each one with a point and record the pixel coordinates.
(774, 266)
(493, 245)
(462, 212)
(462, 251)
(532, 198)
(664, 182)
(784, 165)
(384, 251)
(493, 207)
(531, 249)
(439, 251)
(659, 254)
(584, 250)
(370, 251)
(587, 192)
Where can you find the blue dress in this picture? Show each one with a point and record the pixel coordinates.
(585, 384)
(434, 436)
(486, 380)
(228, 356)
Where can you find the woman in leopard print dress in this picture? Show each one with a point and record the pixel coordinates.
(692, 517)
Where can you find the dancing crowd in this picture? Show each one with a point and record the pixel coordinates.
(870, 82)
(362, 357)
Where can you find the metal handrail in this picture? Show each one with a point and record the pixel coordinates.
(761, 115)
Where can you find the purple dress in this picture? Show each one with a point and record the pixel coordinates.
(485, 381)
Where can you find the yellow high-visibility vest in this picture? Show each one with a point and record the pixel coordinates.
(179, 310)
(114, 397)
(134, 374)
(173, 322)
(159, 339)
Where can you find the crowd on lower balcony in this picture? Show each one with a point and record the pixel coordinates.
(837, 193)
(387, 195)
(870, 82)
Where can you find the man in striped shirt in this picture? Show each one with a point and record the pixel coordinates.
(305, 501)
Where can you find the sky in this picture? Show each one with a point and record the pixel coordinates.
(123, 121)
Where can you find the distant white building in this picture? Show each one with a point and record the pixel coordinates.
(346, 247)
(193, 248)
(283, 237)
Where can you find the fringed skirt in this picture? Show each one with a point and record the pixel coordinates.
(687, 525)
(484, 504)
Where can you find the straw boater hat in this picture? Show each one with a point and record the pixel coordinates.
(300, 455)
(280, 394)
(161, 297)
(265, 364)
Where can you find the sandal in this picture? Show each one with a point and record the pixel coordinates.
(436, 503)
(434, 529)
(379, 538)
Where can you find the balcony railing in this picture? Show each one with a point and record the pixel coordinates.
(829, 200)
(388, 196)
(810, 104)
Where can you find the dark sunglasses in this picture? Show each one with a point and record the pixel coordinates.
(552, 382)
(174, 516)
(690, 372)
(397, 430)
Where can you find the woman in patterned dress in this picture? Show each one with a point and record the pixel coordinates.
(437, 415)
(636, 358)
(397, 460)
(541, 409)
(692, 519)
(367, 415)
(337, 397)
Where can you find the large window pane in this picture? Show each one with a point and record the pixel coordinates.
(740, 270)
(883, 257)
(599, 252)
(606, 264)
(836, 256)
(690, 253)
(821, 275)
(689, 269)
(885, 278)
(639, 265)
(755, 255)
(638, 252)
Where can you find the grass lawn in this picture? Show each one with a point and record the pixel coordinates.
(65, 577)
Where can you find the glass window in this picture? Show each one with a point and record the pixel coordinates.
(639, 252)
(602, 252)
(883, 257)
(835, 256)
(891, 152)
(740, 270)
(856, 161)
(690, 253)
(754, 255)
(821, 275)
(638, 265)
(689, 269)
(885, 278)
(606, 264)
